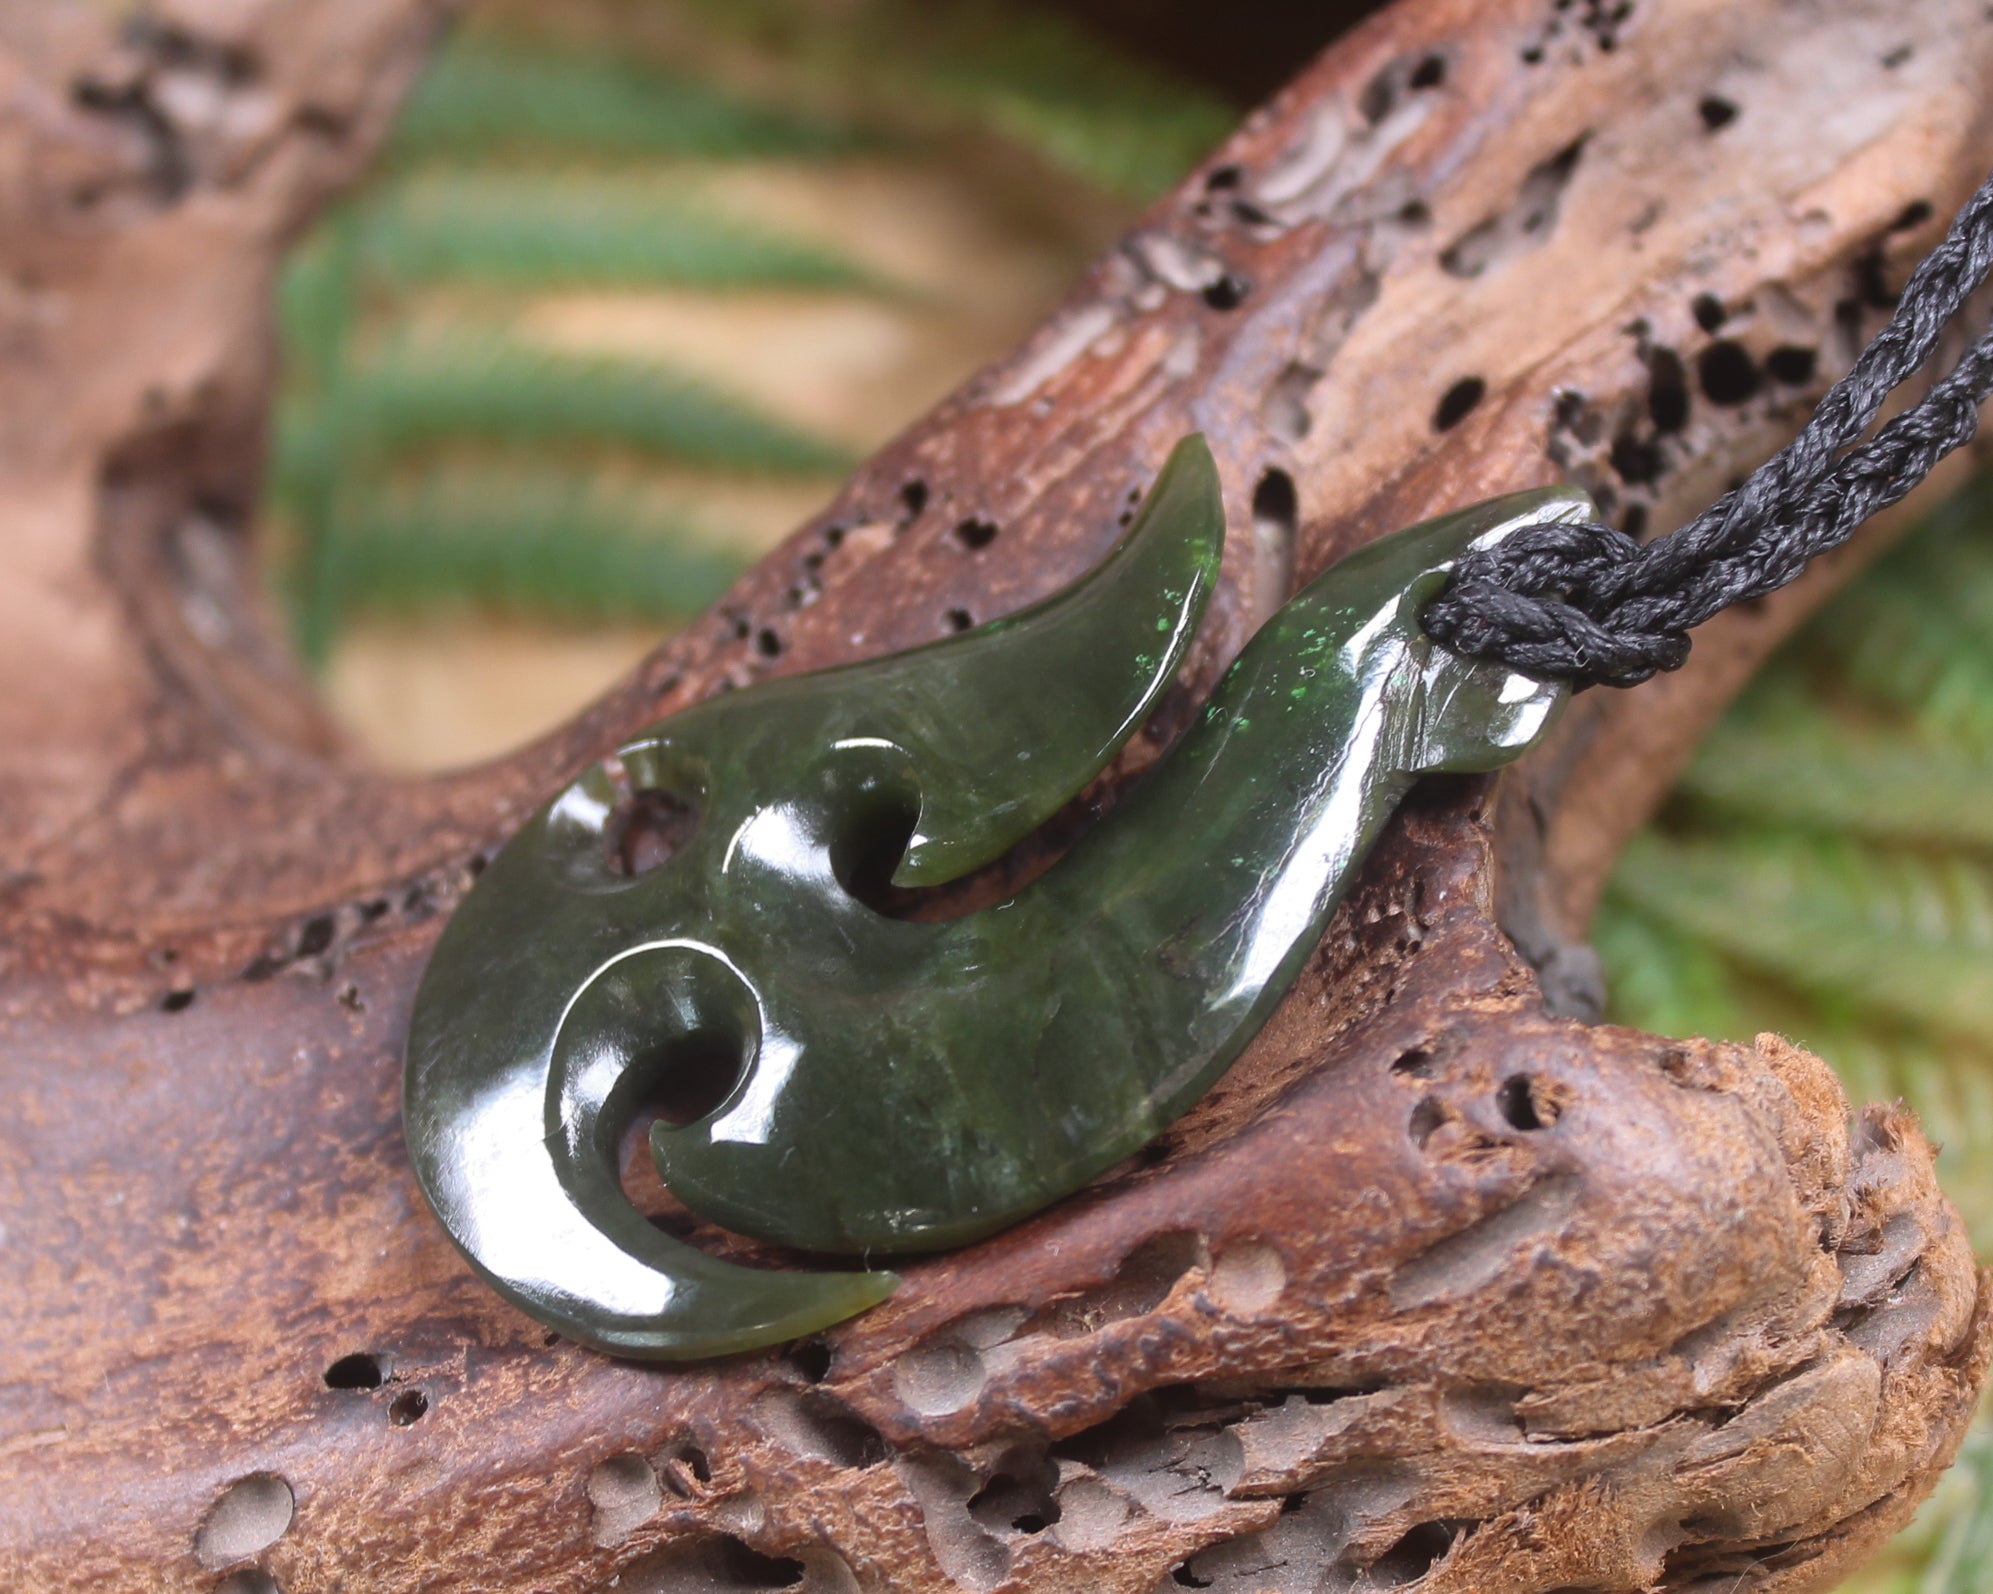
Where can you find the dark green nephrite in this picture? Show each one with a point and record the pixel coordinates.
(909, 1085)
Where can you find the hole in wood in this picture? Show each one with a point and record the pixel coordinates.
(1276, 505)
(939, 1377)
(1285, 407)
(407, 1408)
(685, 1469)
(715, 1564)
(1379, 95)
(249, 1516)
(1143, 1281)
(1667, 390)
(1524, 224)
(1792, 363)
(750, 1569)
(624, 1492)
(1912, 216)
(316, 936)
(1458, 402)
(1637, 460)
(1018, 1497)
(812, 1423)
(811, 1358)
(1413, 1556)
(1727, 373)
(1276, 517)
(361, 1370)
(1716, 112)
(1525, 1104)
(1247, 1278)
(1228, 292)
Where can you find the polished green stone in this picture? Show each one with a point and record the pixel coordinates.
(908, 1085)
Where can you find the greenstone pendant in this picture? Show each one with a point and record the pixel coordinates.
(904, 1085)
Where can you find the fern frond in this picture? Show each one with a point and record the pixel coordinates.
(1916, 633)
(485, 387)
(1027, 74)
(472, 199)
(1885, 640)
(1811, 770)
(1664, 980)
(1901, 936)
(1043, 82)
(538, 231)
(546, 543)
(1672, 981)
(316, 306)
(487, 95)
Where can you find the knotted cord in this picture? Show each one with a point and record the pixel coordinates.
(1587, 603)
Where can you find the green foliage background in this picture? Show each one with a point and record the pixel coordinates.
(1825, 869)
(426, 457)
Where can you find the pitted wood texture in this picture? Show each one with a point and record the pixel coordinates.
(1435, 1290)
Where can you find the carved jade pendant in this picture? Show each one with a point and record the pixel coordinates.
(901, 1085)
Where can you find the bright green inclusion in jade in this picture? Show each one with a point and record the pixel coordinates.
(907, 1086)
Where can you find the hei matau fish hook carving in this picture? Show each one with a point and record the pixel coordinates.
(907, 1086)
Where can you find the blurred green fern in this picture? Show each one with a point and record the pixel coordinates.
(531, 160)
(481, 387)
(527, 230)
(489, 94)
(403, 377)
(1037, 79)
(540, 542)
(1034, 77)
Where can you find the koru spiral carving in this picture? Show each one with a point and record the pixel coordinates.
(910, 1085)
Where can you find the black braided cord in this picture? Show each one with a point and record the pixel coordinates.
(1585, 602)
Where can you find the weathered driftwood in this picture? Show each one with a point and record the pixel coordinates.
(1437, 1287)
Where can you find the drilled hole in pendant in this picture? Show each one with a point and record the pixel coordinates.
(694, 1074)
(685, 1081)
(645, 830)
(870, 846)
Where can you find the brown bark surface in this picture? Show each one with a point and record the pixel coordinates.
(1435, 1288)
